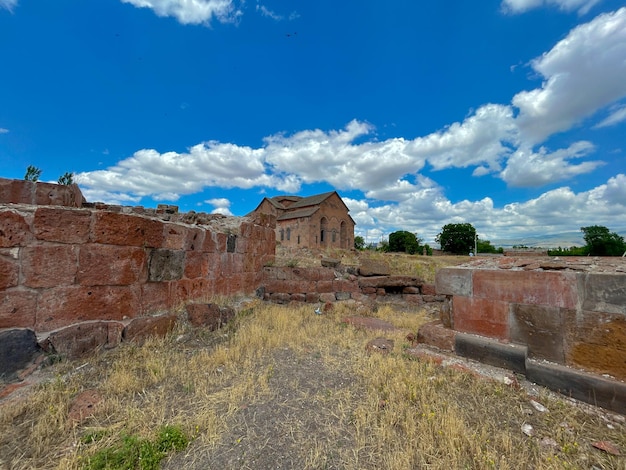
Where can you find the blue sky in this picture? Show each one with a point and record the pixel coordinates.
(507, 114)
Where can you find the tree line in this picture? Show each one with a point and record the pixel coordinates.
(462, 239)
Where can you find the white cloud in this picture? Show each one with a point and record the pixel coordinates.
(526, 168)
(221, 206)
(618, 114)
(191, 11)
(583, 73)
(3, 130)
(8, 4)
(521, 6)
(268, 13)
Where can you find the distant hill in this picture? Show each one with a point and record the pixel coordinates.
(563, 240)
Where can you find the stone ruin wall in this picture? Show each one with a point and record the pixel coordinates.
(65, 262)
(562, 323)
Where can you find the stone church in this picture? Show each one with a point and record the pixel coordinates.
(320, 221)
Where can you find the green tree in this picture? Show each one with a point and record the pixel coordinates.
(457, 238)
(403, 241)
(66, 179)
(359, 242)
(600, 242)
(485, 246)
(32, 173)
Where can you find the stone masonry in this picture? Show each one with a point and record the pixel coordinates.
(562, 323)
(68, 264)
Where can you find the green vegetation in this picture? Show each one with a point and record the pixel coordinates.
(32, 173)
(485, 246)
(599, 242)
(405, 242)
(66, 179)
(133, 452)
(457, 238)
(359, 242)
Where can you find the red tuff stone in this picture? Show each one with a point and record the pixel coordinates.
(62, 225)
(111, 265)
(481, 316)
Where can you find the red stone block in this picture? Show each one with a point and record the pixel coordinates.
(481, 316)
(102, 265)
(414, 299)
(16, 191)
(139, 329)
(155, 297)
(195, 239)
(298, 297)
(342, 285)
(9, 272)
(49, 265)
(428, 289)
(312, 297)
(209, 244)
(85, 338)
(66, 305)
(14, 230)
(129, 230)
(435, 334)
(196, 263)
(411, 290)
(556, 289)
(220, 242)
(50, 194)
(61, 225)
(18, 308)
(175, 236)
(325, 287)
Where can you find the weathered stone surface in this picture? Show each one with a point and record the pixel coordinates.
(389, 281)
(49, 265)
(454, 281)
(330, 262)
(139, 329)
(327, 297)
(210, 315)
(540, 328)
(481, 316)
(16, 191)
(594, 389)
(66, 305)
(84, 406)
(435, 334)
(428, 289)
(14, 230)
(605, 292)
(379, 345)
(596, 342)
(342, 295)
(166, 265)
(370, 267)
(85, 338)
(130, 230)
(491, 352)
(18, 308)
(50, 194)
(55, 224)
(18, 348)
(9, 272)
(369, 323)
(556, 289)
(100, 265)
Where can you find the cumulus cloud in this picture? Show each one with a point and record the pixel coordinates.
(526, 168)
(3, 130)
(221, 205)
(521, 6)
(191, 11)
(583, 73)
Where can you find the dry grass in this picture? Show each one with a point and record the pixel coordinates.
(401, 264)
(286, 388)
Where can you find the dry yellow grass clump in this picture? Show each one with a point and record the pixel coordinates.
(282, 387)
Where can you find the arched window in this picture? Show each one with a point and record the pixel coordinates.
(323, 230)
(288, 234)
